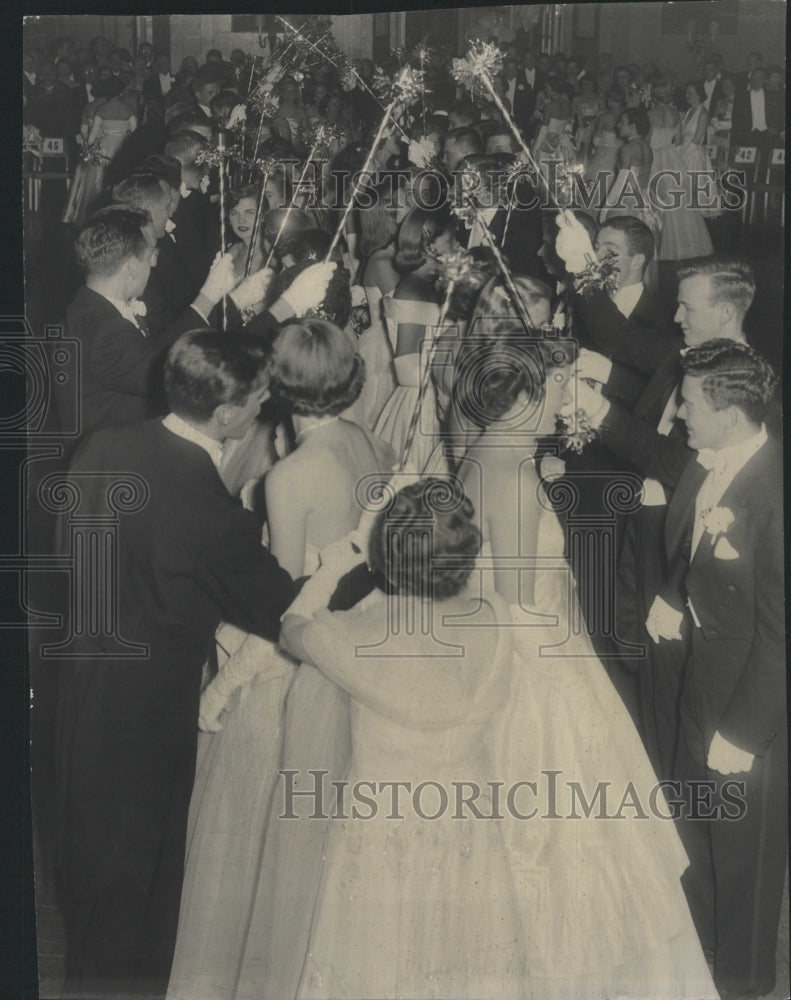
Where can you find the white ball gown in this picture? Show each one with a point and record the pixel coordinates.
(684, 232)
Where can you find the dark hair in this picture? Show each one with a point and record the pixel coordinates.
(730, 280)
(167, 168)
(207, 74)
(699, 89)
(399, 550)
(466, 139)
(418, 230)
(639, 118)
(495, 314)
(111, 86)
(139, 189)
(226, 100)
(235, 195)
(205, 369)
(185, 121)
(324, 103)
(466, 112)
(315, 368)
(639, 238)
(109, 238)
(298, 222)
(732, 374)
(489, 377)
(337, 303)
(309, 247)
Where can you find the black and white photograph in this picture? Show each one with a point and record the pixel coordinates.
(402, 549)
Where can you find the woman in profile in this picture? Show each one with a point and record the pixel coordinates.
(250, 729)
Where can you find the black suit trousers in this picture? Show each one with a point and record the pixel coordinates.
(734, 884)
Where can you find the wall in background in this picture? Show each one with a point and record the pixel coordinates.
(195, 34)
(40, 31)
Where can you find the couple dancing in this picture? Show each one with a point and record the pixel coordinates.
(278, 907)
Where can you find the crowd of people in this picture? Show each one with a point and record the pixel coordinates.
(366, 411)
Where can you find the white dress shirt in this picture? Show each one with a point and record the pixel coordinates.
(184, 430)
(530, 74)
(709, 86)
(758, 107)
(723, 465)
(165, 82)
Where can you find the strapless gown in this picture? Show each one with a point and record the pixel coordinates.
(684, 233)
(393, 423)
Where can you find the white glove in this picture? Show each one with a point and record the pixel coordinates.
(252, 289)
(663, 622)
(573, 245)
(583, 397)
(238, 114)
(552, 468)
(592, 365)
(725, 758)
(336, 561)
(221, 279)
(308, 289)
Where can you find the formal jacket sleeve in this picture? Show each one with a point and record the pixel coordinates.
(625, 383)
(243, 578)
(631, 343)
(635, 440)
(122, 358)
(757, 706)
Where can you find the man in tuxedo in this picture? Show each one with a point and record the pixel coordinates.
(197, 232)
(520, 94)
(513, 222)
(724, 537)
(713, 298)
(169, 289)
(187, 558)
(119, 359)
(712, 84)
(758, 116)
(460, 143)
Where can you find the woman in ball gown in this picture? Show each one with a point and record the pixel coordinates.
(619, 925)
(262, 711)
(242, 207)
(414, 908)
(605, 142)
(586, 108)
(292, 122)
(553, 140)
(411, 311)
(692, 143)
(684, 232)
(109, 120)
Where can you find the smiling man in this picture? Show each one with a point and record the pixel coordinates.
(724, 539)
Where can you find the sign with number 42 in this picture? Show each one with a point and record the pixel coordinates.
(745, 154)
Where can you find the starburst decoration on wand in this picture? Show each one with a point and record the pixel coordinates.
(212, 157)
(483, 60)
(322, 137)
(405, 89)
(458, 267)
(264, 102)
(578, 430)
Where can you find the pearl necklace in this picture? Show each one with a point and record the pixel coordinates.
(308, 428)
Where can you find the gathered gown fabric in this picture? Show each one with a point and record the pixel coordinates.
(604, 157)
(229, 812)
(414, 907)
(696, 157)
(88, 181)
(393, 423)
(375, 349)
(629, 196)
(602, 906)
(684, 233)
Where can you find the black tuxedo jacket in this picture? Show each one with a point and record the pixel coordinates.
(188, 558)
(119, 366)
(519, 237)
(736, 677)
(742, 128)
(524, 101)
(637, 345)
(170, 288)
(632, 434)
(197, 236)
(716, 96)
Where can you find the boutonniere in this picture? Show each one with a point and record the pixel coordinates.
(138, 308)
(520, 86)
(717, 521)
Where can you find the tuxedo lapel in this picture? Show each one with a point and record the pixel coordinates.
(663, 382)
(681, 512)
